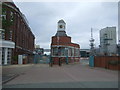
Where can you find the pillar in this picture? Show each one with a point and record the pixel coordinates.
(6, 54)
(0, 56)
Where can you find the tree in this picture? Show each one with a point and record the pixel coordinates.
(6, 23)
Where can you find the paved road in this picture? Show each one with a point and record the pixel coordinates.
(67, 76)
(12, 70)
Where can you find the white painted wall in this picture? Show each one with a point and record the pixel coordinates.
(20, 59)
(61, 29)
(111, 34)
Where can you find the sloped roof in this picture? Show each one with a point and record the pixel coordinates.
(61, 33)
(61, 21)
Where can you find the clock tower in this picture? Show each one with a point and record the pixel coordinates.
(61, 28)
(62, 49)
(61, 25)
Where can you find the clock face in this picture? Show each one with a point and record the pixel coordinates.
(61, 26)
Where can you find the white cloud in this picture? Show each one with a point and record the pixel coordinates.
(79, 17)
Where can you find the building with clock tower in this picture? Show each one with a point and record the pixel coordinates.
(62, 49)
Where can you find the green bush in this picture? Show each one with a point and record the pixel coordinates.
(15, 58)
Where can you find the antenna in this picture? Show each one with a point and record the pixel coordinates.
(92, 43)
(92, 40)
(91, 34)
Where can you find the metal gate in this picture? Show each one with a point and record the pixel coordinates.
(44, 59)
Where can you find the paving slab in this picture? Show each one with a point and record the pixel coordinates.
(74, 75)
(9, 72)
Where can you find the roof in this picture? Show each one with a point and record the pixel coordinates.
(61, 33)
(61, 21)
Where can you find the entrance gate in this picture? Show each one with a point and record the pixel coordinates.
(44, 59)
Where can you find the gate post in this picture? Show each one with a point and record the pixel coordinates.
(91, 61)
(60, 63)
(51, 62)
(34, 58)
(66, 59)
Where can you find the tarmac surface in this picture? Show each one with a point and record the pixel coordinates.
(78, 75)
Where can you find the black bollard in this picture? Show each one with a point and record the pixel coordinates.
(59, 61)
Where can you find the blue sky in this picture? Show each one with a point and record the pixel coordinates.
(79, 18)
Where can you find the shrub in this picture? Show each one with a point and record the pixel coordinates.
(15, 58)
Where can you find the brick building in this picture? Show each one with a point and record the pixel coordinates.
(62, 49)
(18, 31)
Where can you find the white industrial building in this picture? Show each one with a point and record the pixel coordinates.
(108, 45)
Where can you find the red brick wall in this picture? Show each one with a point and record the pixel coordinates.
(63, 60)
(62, 39)
(74, 45)
(21, 32)
(103, 61)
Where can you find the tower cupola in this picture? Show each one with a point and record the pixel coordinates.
(61, 25)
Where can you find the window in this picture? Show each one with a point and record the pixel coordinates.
(70, 52)
(111, 35)
(3, 13)
(76, 52)
(4, 17)
(66, 51)
(10, 38)
(55, 51)
(2, 34)
(12, 16)
(59, 51)
(62, 51)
